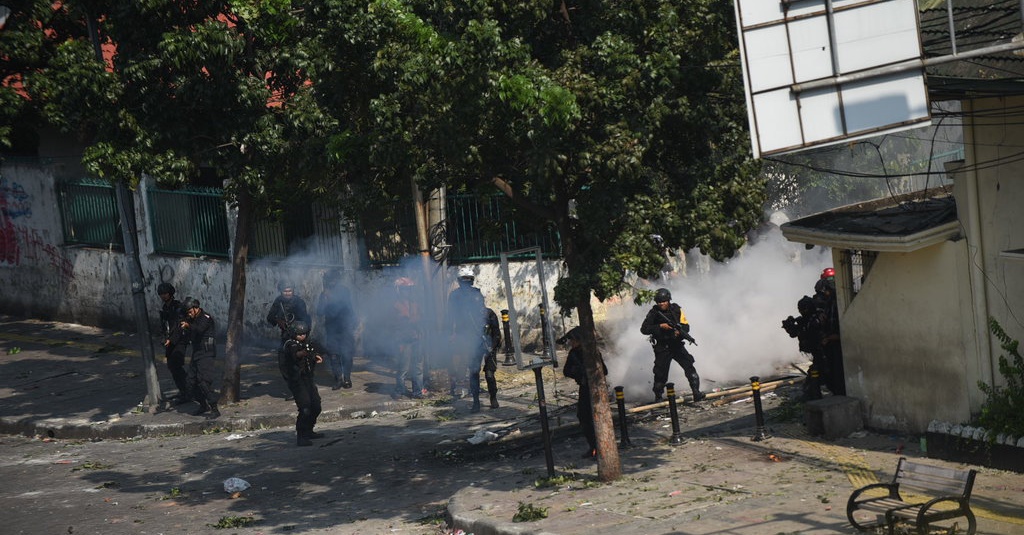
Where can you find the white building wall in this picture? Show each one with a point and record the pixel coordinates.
(42, 278)
(903, 346)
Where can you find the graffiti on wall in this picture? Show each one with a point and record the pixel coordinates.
(14, 204)
(20, 243)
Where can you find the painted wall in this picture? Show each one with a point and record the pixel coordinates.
(903, 347)
(42, 278)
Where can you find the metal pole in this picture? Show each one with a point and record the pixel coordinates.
(677, 437)
(755, 388)
(545, 432)
(510, 359)
(620, 400)
(544, 329)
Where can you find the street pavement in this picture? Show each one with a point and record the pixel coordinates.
(411, 466)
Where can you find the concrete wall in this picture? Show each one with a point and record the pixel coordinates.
(42, 278)
(903, 342)
(991, 199)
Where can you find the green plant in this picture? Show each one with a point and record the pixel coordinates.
(227, 522)
(529, 513)
(1003, 410)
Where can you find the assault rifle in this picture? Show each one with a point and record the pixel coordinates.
(306, 356)
(678, 327)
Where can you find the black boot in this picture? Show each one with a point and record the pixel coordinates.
(494, 401)
(346, 381)
(203, 409)
(303, 441)
(337, 383)
(213, 412)
(492, 390)
(476, 405)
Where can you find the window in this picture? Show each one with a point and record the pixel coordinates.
(857, 265)
(310, 234)
(189, 221)
(89, 215)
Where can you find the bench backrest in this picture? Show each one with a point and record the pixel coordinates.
(934, 480)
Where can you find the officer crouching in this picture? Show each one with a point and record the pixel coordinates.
(297, 360)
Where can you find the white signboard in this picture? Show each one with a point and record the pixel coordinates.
(784, 43)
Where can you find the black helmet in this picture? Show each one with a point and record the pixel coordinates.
(806, 304)
(300, 327)
(283, 284)
(190, 303)
(662, 295)
(165, 288)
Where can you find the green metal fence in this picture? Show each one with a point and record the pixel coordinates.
(479, 229)
(189, 221)
(89, 213)
(310, 234)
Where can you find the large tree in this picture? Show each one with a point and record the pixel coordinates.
(611, 120)
(183, 86)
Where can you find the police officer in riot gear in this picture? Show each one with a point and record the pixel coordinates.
(200, 328)
(486, 353)
(287, 308)
(668, 330)
(175, 344)
(809, 330)
(297, 360)
(338, 328)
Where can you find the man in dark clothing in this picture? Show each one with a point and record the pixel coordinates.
(668, 329)
(287, 308)
(199, 327)
(339, 328)
(809, 331)
(575, 370)
(825, 295)
(486, 353)
(297, 360)
(175, 343)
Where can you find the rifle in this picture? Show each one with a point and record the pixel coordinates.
(678, 327)
(306, 356)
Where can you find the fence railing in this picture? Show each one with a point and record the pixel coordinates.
(189, 221)
(89, 213)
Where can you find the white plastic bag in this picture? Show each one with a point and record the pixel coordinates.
(234, 484)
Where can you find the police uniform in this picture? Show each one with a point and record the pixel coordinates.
(175, 343)
(339, 330)
(200, 331)
(668, 345)
(284, 311)
(297, 361)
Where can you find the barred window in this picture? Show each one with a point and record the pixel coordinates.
(189, 221)
(857, 264)
(89, 214)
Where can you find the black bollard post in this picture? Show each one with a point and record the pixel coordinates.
(620, 400)
(510, 359)
(677, 437)
(545, 432)
(544, 329)
(755, 388)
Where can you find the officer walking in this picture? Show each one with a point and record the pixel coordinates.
(175, 344)
(297, 360)
(668, 329)
(486, 353)
(809, 330)
(466, 324)
(200, 328)
(287, 308)
(574, 369)
(339, 328)
(407, 334)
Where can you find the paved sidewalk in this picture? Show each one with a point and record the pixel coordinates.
(64, 381)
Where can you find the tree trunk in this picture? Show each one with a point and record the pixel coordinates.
(230, 391)
(609, 467)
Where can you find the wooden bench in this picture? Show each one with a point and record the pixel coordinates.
(945, 495)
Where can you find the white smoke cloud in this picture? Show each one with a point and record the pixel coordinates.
(735, 310)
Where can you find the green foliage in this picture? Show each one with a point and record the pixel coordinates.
(1003, 411)
(228, 522)
(528, 512)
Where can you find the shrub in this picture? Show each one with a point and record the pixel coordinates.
(1003, 411)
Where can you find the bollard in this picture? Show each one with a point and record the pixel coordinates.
(544, 329)
(677, 437)
(755, 388)
(510, 359)
(620, 400)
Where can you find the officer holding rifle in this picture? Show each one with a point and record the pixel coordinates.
(668, 330)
